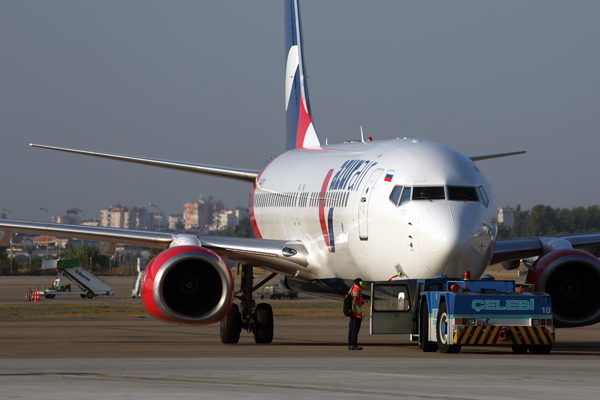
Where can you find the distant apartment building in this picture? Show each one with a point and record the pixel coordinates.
(174, 220)
(72, 217)
(506, 216)
(119, 216)
(92, 222)
(229, 218)
(200, 214)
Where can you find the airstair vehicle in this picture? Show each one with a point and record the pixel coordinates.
(136, 291)
(89, 284)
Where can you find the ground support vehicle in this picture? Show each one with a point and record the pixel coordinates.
(277, 292)
(451, 313)
(89, 284)
(136, 291)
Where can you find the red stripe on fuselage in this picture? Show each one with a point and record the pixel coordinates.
(322, 209)
(252, 219)
(251, 208)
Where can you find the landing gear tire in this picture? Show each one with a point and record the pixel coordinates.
(49, 296)
(519, 349)
(90, 295)
(425, 344)
(83, 296)
(263, 330)
(231, 326)
(541, 349)
(443, 334)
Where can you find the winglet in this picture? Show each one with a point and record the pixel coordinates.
(300, 132)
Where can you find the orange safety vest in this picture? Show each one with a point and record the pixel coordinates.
(357, 301)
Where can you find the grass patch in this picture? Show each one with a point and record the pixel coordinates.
(287, 309)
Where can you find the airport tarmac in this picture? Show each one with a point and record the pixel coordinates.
(145, 358)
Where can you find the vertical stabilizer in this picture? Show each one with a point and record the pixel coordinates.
(300, 132)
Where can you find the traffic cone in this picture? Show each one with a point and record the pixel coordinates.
(27, 296)
(36, 295)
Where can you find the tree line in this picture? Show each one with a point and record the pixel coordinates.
(547, 221)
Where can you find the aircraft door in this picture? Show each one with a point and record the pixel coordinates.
(391, 308)
(363, 207)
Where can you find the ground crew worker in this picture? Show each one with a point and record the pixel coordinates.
(356, 315)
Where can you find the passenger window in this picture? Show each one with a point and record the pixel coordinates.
(405, 196)
(429, 193)
(461, 193)
(395, 195)
(484, 198)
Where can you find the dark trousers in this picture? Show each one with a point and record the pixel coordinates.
(353, 329)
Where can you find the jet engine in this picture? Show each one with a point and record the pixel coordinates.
(187, 284)
(572, 278)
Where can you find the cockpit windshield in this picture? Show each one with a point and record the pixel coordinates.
(399, 196)
(429, 193)
(462, 193)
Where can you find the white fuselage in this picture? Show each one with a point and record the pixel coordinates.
(338, 201)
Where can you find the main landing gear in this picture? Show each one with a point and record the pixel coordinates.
(254, 318)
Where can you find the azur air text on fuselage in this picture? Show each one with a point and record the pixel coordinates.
(315, 195)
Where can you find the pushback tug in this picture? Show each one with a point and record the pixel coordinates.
(450, 313)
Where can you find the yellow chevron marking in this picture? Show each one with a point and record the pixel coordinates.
(494, 335)
(474, 337)
(515, 335)
(521, 335)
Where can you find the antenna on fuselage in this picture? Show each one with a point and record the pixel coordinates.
(362, 137)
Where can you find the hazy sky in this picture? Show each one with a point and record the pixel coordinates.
(202, 81)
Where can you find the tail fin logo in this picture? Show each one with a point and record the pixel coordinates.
(300, 132)
(291, 68)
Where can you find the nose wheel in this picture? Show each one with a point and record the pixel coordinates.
(254, 318)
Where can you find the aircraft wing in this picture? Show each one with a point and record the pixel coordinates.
(246, 175)
(280, 256)
(497, 155)
(516, 249)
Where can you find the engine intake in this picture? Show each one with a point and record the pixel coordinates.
(572, 278)
(187, 284)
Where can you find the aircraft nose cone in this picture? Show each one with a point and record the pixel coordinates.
(453, 239)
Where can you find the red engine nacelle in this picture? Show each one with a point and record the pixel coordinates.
(572, 278)
(187, 284)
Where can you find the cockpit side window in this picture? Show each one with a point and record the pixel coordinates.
(462, 193)
(405, 196)
(395, 195)
(483, 196)
(429, 193)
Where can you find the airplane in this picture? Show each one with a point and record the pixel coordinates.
(392, 210)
